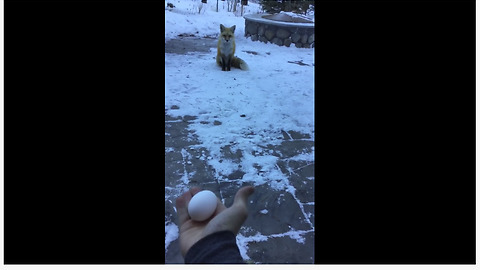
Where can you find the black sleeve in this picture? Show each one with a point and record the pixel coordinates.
(219, 247)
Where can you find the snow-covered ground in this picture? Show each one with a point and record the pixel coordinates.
(253, 107)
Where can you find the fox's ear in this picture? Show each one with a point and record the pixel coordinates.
(232, 28)
(222, 27)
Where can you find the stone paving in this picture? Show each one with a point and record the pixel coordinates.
(280, 225)
(184, 44)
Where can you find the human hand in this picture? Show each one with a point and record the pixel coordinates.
(223, 219)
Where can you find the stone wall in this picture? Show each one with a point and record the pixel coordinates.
(300, 37)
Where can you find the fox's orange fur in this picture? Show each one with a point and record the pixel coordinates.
(226, 50)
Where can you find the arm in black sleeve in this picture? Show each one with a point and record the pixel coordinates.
(219, 247)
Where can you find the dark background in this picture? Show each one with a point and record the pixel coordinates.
(396, 132)
(395, 152)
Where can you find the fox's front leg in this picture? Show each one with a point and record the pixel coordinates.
(229, 63)
(226, 63)
(223, 63)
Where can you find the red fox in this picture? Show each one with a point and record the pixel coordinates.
(226, 50)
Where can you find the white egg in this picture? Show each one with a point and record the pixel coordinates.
(202, 205)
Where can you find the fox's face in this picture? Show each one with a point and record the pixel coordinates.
(227, 33)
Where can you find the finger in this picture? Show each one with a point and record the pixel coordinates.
(182, 204)
(242, 196)
(194, 190)
(220, 207)
(231, 219)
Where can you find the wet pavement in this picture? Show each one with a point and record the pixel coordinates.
(184, 44)
(280, 225)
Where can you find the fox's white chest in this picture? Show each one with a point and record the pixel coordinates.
(226, 47)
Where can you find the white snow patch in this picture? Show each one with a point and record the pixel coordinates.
(171, 234)
(296, 235)
(244, 241)
(253, 106)
(303, 157)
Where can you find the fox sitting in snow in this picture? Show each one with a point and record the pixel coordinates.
(226, 50)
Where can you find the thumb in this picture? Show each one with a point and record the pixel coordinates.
(232, 218)
(242, 196)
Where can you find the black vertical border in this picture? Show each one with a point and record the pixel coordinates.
(395, 125)
(83, 104)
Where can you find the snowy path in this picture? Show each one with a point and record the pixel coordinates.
(280, 226)
(224, 130)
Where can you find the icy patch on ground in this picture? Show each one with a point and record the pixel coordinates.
(171, 234)
(244, 241)
(304, 157)
(246, 110)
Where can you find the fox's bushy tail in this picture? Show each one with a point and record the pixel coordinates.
(239, 63)
(235, 62)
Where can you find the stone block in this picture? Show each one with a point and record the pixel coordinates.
(261, 30)
(277, 41)
(287, 42)
(269, 34)
(282, 33)
(304, 38)
(295, 37)
(311, 38)
(252, 28)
